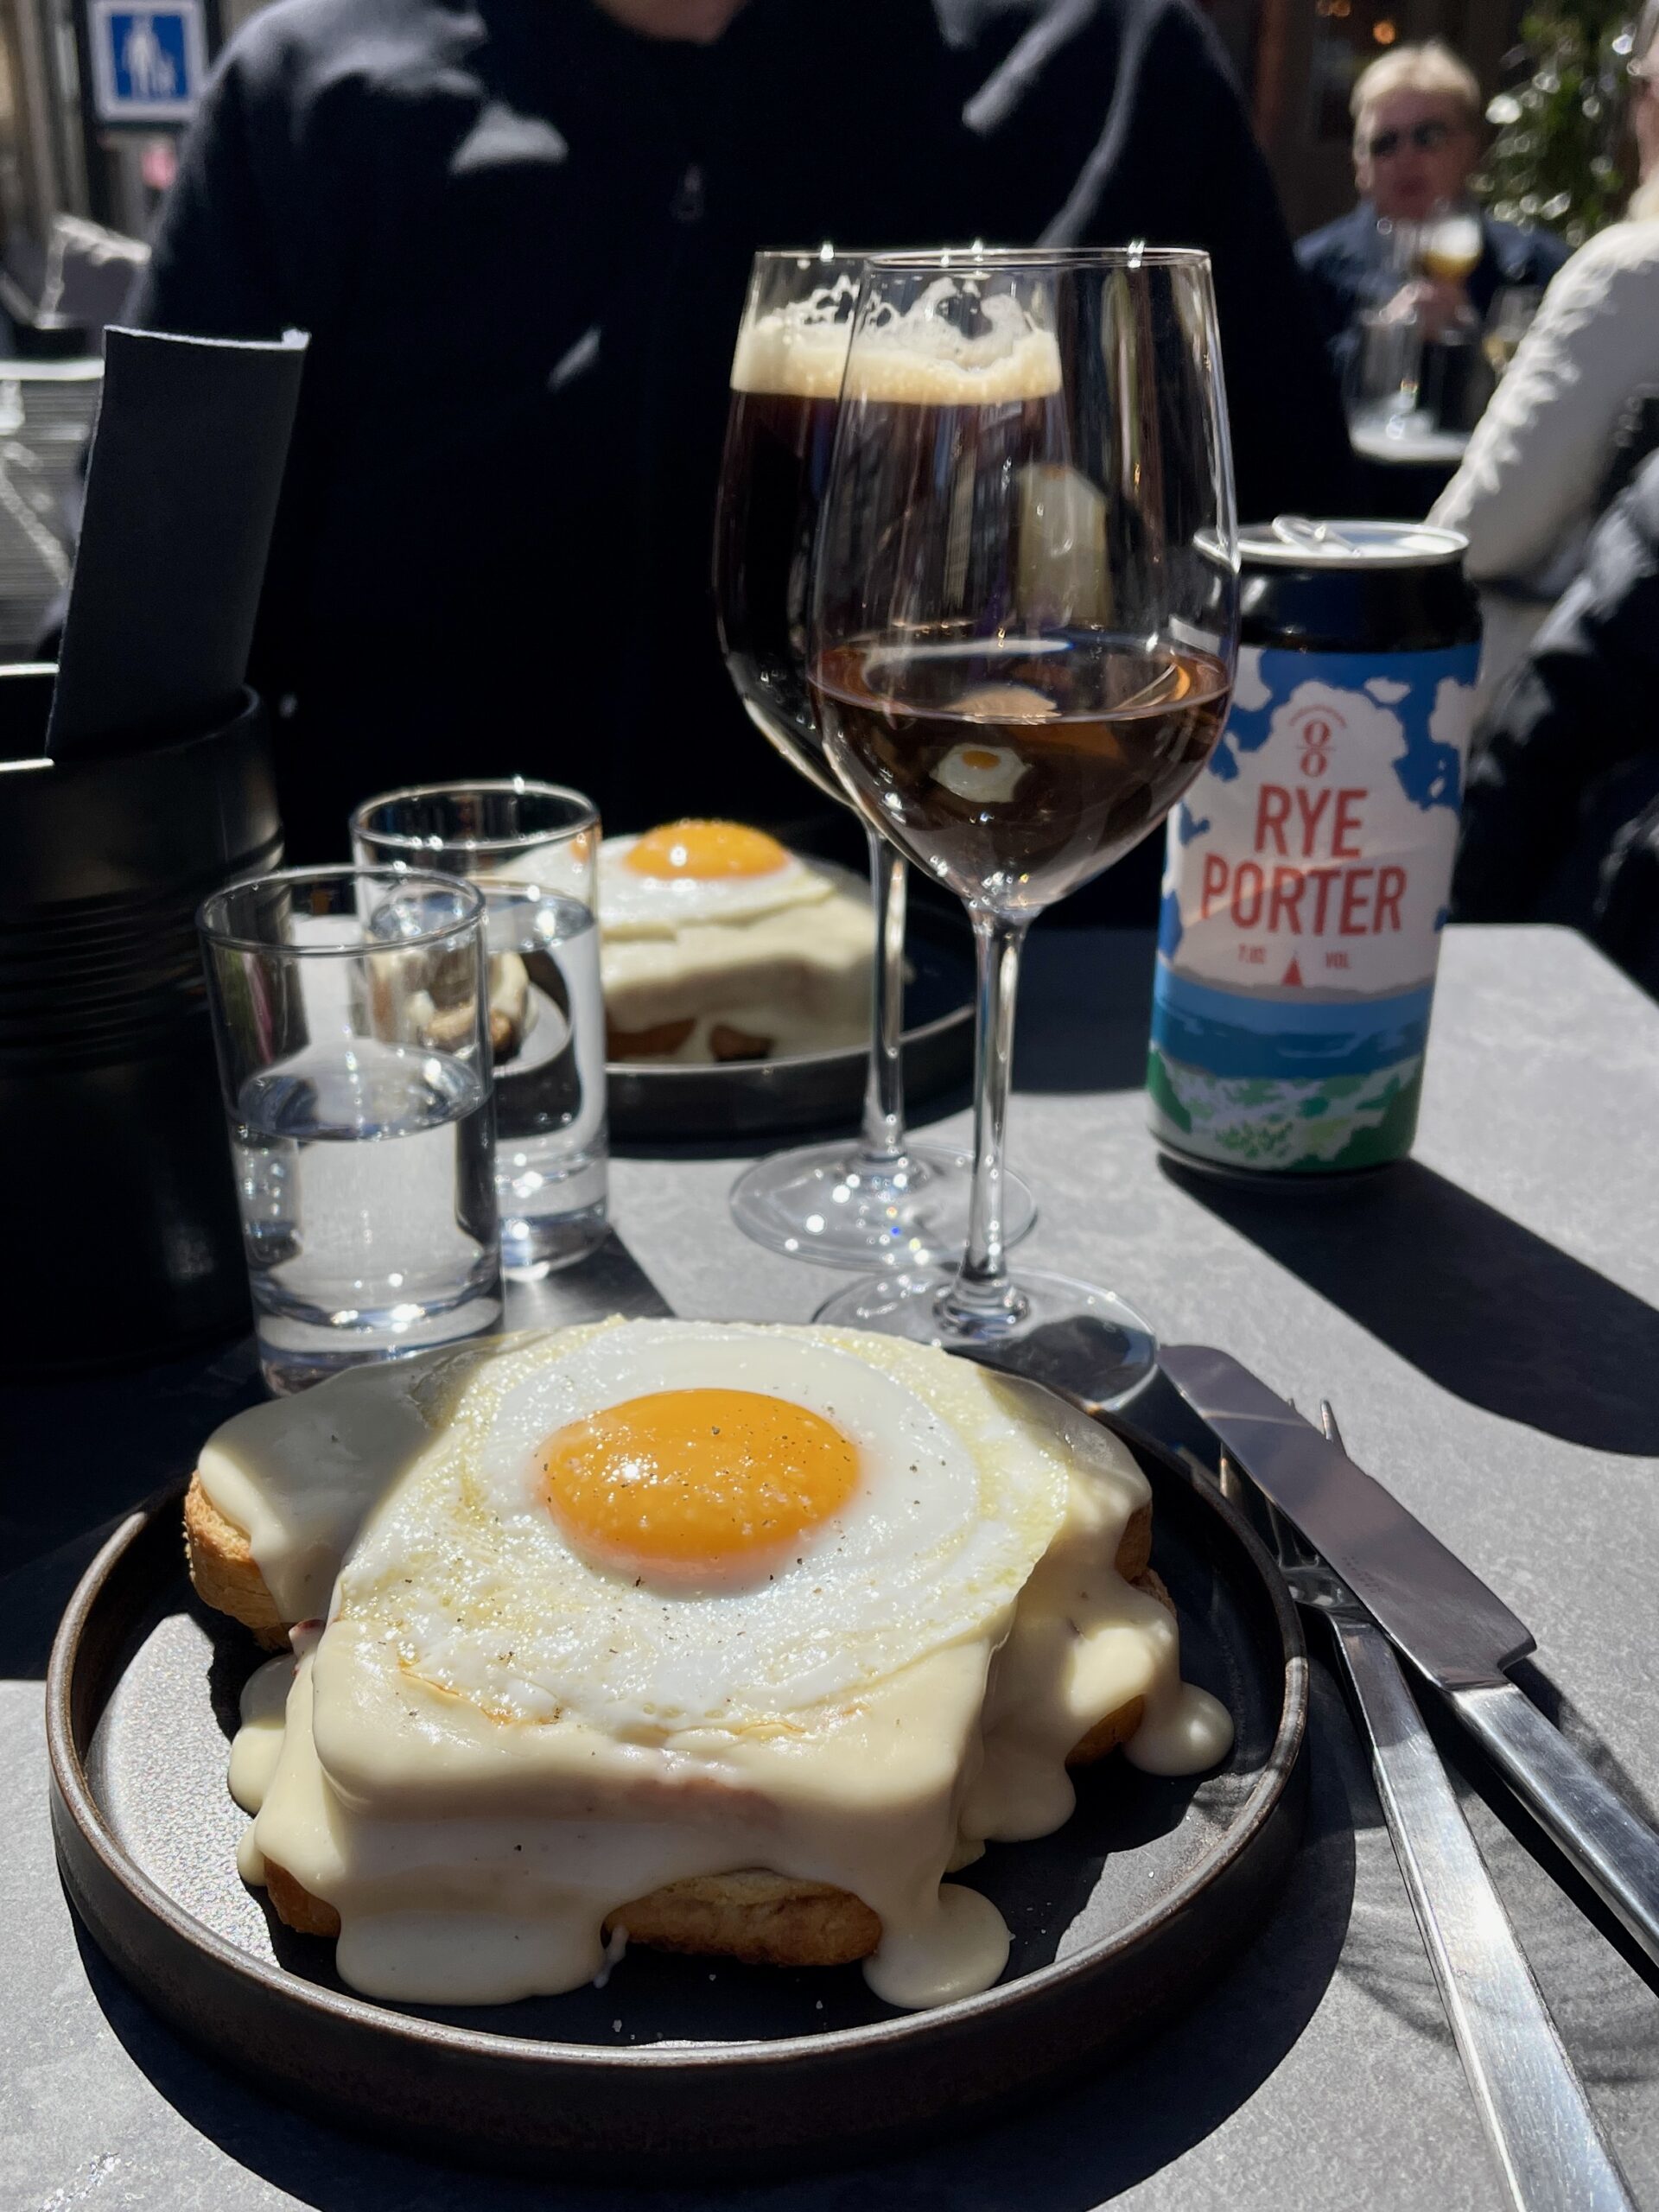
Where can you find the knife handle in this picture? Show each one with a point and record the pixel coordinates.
(1544, 2135)
(1617, 1853)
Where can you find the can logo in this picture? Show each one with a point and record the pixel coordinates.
(1304, 894)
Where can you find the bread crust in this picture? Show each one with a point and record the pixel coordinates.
(762, 1919)
(653, 1044)
(1134, 1550)
(224, 1572)
(296, 1907)
(766, 1920)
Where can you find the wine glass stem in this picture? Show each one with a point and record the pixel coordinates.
(884, 1089)
(1411, 373)
(981, 1291)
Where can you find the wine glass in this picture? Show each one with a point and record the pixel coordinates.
(1513, 311)
(1450, 247)
(887, 1201)
(1024, 623)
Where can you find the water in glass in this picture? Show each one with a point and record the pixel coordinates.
(530, 849)
(348, 1013)
(547, 1018)
(363, 1173)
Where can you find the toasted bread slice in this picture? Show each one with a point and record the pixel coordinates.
(225, 1570)
(763, 1919)
(760, 1917)
(227, 1576)
(296, 1907)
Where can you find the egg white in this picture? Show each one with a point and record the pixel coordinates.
(464, 1579)
(989, 774)
(631, 905)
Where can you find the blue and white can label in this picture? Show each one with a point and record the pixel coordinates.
(1305, 891)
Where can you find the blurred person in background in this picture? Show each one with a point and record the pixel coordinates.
(518, 232)
(1417, 137)
(1561, 816)
(1583, 384)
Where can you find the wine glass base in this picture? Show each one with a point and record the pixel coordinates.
(1085, 1342)
(822, 1201)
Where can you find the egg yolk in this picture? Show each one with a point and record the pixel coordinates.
(705, 850)
(685, 1483)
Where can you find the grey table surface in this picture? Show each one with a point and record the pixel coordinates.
(1486, 1320)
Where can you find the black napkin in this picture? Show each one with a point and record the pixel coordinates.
(187, 462)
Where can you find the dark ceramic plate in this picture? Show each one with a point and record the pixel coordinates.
(652, 1099)
(679, 2066)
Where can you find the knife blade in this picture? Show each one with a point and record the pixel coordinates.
(1442, 1615)
(1439, 1613)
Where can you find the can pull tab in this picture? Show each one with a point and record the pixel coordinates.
(1311, 536)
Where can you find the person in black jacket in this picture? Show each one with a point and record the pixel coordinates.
(518, 233)
(1417, 139)
(1561, 818)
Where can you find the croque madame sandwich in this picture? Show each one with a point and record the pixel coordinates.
(721, 1638)
(716, 943)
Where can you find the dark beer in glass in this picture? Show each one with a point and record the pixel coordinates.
(886, 1203)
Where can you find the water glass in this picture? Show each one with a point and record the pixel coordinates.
(1387, 372)
(351, 1016)
(1383, 380)
(532, 852)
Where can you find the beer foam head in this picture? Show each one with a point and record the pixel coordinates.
(798, 351)
(920, 358)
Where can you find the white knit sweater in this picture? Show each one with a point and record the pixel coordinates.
(1524, 496)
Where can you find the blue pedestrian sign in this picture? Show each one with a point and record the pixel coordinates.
(148, 60)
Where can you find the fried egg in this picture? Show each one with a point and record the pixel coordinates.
(983, 774)
(654, 1526)
(697, 872)
(644, 1604)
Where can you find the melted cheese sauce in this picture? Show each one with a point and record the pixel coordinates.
(256, 1751)
(299, 1475)
(800, 978)
(475, 1860)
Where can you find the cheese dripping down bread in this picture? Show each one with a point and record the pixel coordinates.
(727, 1637)
(716, 943)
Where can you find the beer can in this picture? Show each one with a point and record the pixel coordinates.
(1308, 868)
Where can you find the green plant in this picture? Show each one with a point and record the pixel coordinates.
(1556, 157)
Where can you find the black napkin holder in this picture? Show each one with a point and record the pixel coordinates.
(182, 485)
(124, 1244)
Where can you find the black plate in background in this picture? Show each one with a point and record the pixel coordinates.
(679, 2066)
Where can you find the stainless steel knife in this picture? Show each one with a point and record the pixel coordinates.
(1441, 1615)
(1542, 2128)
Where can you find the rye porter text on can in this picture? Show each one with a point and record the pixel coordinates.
(1309, 866)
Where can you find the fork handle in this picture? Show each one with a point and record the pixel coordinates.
(1546, 2138)
(1617, 1853)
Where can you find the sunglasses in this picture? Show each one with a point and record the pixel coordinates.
(1425, 137)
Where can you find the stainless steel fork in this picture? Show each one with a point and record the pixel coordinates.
(1545, 2137)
